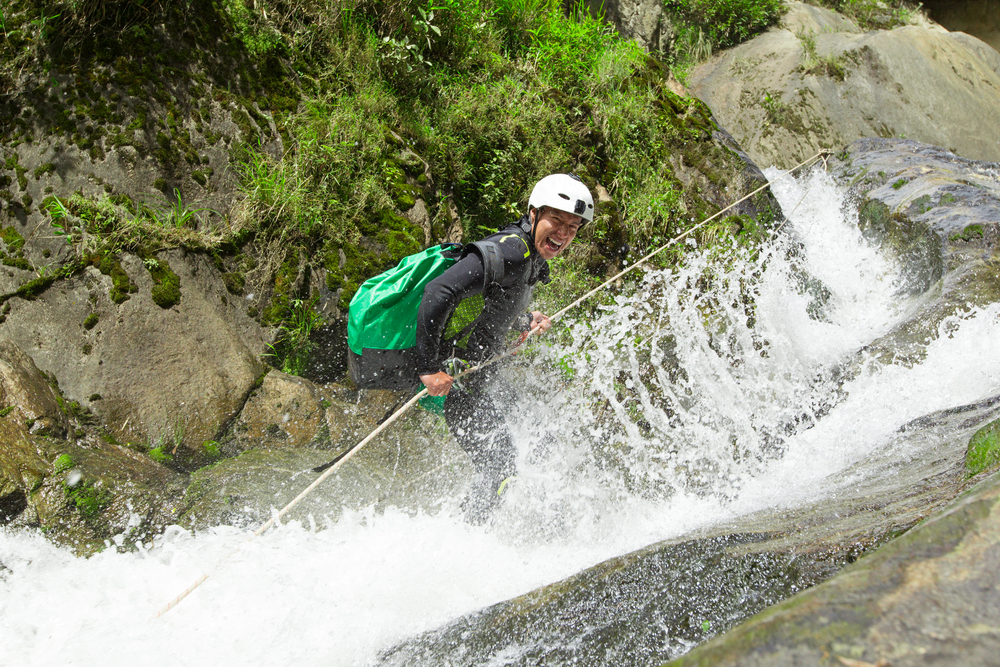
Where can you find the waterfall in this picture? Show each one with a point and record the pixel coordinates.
(737, 383)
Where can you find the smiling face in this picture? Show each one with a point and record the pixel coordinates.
(554, 230)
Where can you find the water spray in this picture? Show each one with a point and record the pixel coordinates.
(334, 465)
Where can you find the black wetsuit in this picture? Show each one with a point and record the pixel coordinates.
(461, 316)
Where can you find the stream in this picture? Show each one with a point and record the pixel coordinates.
(671, 409)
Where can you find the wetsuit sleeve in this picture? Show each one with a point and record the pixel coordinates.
(466, 278)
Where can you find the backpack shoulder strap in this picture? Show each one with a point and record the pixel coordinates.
(489, 251)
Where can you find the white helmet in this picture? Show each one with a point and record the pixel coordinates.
(565, 192)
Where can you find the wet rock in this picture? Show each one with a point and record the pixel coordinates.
(984, 449)
(97, 494)
(30, 406)
(285, 411)
(414, 466)
(818, 81)
(938, 215)
(654, 604)
(928, 596)
(75, 485)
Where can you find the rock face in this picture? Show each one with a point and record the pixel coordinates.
(31, 407)
(819, 82)
(55, 473)
(74, 127)
(928, 597)
(194, 367)
(979, 18)
(641, 20)
(940, 215)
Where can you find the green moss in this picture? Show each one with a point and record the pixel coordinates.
(898, 184)
(17, 263)
(62, 464)
(43, 169)
(403, 194)
(30, 290)
(211, 448)
(970, 233)
(234, 282)
(165, 150)
(984, 449)
(91, 321)
(121, 284)
(166, 284)
(201, 177)
(6, 411)
(88, 498)
(11, 238)
(278, 310)
(159, 455)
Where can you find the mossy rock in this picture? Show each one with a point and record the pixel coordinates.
(984, 449)
(166, 284)
(970, 233)
(11, 239)
(235, 282)
(917, 247)
(121, 284)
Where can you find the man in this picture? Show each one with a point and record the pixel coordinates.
(467, 312)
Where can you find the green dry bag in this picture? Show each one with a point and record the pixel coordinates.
(382, 324)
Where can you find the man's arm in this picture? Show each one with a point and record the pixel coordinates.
(464, 279)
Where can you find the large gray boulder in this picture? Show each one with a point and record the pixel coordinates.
(154, 375)
(818, 81)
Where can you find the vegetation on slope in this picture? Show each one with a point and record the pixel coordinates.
(362, 131)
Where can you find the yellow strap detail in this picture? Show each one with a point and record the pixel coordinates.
(527, 250)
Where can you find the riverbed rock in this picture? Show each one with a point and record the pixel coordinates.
(938, 215)
(415, 466)
(928, 597)
(818, 82)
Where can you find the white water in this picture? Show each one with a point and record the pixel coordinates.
(620, 454)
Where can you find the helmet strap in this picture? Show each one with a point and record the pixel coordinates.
(528, 226)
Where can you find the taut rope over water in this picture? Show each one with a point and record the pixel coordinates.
(344, 457)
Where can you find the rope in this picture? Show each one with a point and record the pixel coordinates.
(343, 458)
